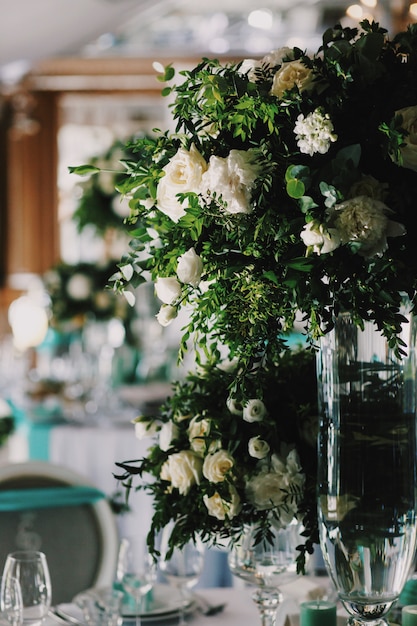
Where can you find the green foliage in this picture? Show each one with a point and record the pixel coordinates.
(298, 201)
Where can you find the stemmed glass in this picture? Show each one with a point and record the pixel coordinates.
(11, 606)
(182, 568)
(30, 568)
(137, 572)
(267, 564)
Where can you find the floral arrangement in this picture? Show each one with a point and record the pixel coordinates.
(78, 292)
(99, 204)
(285, 195)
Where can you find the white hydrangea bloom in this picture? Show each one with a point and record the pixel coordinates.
(314, 133)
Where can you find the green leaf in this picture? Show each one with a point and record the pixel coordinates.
(84, 170)
(295, 188)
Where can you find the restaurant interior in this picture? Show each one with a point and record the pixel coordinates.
(77, 364)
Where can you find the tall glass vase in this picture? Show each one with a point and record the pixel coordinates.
(367, 465)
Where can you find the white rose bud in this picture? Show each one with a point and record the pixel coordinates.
(167, 313)
(197, 432)
(258, 448)
(254, 411)
(145, 428)
(219, 508)
(183, 470)
(167, 289)
(169, 432)
(190, 268)
(216, 466)
(320, 239)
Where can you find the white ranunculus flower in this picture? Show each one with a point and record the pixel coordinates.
(169, 431)
(197, 433)
(221, 509)
(409, 150)
(181, 175)
(254, 411)
(258, 448)
(319, 239)
(190, 268)
(232, 178)
(167, 289)
(183, 470)
(292, 74)
(145, 428)
(364, 221)
(216, 466)
(166, 315)
(79, 286)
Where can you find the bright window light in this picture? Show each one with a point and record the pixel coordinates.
(413, 9)
(371, 4)
(354, 11)
(260, 18)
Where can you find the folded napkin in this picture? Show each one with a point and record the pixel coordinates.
(48, 497)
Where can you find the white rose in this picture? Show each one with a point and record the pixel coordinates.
(169, 431)
(254, 411)
(272, 59)
(258, 448)
(216, 466)
(291, 74)
(145, 428)
(167, 289)
(220, 508)
(409, 150)
(190, 268)
(79, 287)
(182, 470)
(181, 175)
(197, 433)
(167, 313)
(232, 178)
(364, 221)
(319, 239)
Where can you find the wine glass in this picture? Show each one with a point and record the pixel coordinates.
(11, 606)
(30, 568)
(182, 567)
(137, 572)
(268, 564)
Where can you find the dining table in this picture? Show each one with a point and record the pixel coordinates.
(238, 607)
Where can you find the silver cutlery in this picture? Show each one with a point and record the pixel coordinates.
(207, 608)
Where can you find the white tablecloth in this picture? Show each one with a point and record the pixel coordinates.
(240, 610)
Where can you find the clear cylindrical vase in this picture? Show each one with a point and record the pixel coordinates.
(367, 465)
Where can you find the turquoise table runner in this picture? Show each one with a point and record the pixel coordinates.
(48, 497)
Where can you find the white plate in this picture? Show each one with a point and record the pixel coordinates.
(165, 600)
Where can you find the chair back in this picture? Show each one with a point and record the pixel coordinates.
(51, 508)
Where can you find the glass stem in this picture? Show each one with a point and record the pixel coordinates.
(267, 601)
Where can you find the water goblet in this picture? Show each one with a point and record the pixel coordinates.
(182, 567)
(11, 606)
(137, 573)
(30, 568)
(267, 564)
